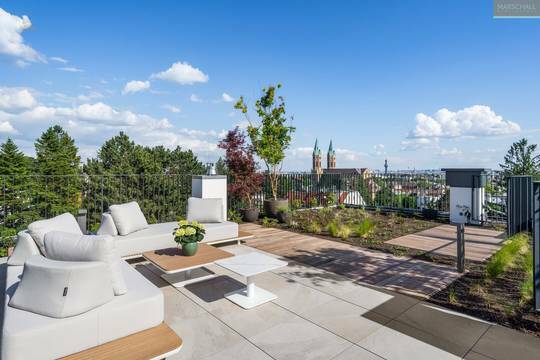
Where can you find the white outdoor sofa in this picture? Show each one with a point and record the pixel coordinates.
(44, 323)
(150, 237)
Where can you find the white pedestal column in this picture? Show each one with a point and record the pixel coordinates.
(210, 186)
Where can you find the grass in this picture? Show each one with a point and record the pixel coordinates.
(507, 256)
(499, 290)
(364, 228)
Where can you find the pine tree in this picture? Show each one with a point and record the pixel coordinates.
(17, 186)
(59, 172)
(521, 159)
(221, 167)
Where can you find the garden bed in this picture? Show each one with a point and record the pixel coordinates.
(367, 229)
(499, 290)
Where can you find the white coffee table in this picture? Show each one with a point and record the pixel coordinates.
(249, 265)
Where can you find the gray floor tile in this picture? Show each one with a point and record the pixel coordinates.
(394, 345)
(345, 319)
(503, 343)
(451, 331)
(356, 353)
(299, 339)
(240, 351)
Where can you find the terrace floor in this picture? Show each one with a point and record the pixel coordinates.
(322, 315)
(480, 243)
(402, 274)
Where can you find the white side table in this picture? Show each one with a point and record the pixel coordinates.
(249, 265)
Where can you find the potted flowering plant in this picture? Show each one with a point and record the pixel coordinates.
(188, 234)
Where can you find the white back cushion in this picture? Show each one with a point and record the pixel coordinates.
(24, 248)
(128, 217)
(65, 222)
(70, 247)
(107, 226)
(61, 289)
(205, 210)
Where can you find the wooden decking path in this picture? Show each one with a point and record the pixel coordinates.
(480, 243)
(402, 274)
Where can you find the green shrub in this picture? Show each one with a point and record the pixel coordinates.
(235, 216)
(331, 199)
(505, 258)
(296, 204)
(341, 206)
(314, 228)
(333, 229)
(527, 286)
(269, 222)
(344, 232)
(313, 202)
(364, 228)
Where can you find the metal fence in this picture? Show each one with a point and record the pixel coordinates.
(28, 198)
(163, 197)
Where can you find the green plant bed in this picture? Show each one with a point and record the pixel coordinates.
(363, 228)
(499, 290)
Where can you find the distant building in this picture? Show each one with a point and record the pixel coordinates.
(331, 161)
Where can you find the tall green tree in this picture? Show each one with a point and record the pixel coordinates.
(521, 159)
(17, 186)
(272, 136)
(158, 178)
(59, 172)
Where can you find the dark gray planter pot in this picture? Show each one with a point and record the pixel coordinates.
(250, 215)
(272, 206)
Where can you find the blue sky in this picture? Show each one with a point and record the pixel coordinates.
(426, 84)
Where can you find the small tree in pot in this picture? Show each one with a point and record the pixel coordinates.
(245, 181)
(270, 139)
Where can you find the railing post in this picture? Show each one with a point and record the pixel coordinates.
(460, 247)
(536, 244)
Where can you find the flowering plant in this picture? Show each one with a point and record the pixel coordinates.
(188, 232)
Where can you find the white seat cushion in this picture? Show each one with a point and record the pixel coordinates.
(220, 231)
(70, 247)
(25, 247)
(155, 236)
(128, 217)
(31, 336)
(205, 210)
(62, 289)
(65, 222)
(107, 226)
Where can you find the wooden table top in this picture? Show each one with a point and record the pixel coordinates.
(172, 259)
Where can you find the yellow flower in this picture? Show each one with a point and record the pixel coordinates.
(200, 226)
(180, 232)
(183, 222)
(190, 231)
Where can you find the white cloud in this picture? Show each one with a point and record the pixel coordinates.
(419, 143)
(195, 98)
(172, 108)
(449, 152)
(226, 97)
(12, 99)
(6, 127)
(58, 59)
(379, 149)
(183, 74)
(477, 120)
(11, 40)
(71, 69)
(90, 96)
(136, 86)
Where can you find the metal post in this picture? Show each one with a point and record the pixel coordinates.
(81, 219)
(536, 244)
(460, 247)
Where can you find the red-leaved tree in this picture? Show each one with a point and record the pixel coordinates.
(245, 180)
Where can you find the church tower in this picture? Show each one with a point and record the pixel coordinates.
(331, 157)
(317, 164)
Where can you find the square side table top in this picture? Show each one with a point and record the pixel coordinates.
(251, 264)
(172, 260)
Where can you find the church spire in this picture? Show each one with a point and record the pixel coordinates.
(316, 150)
(331, 157)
